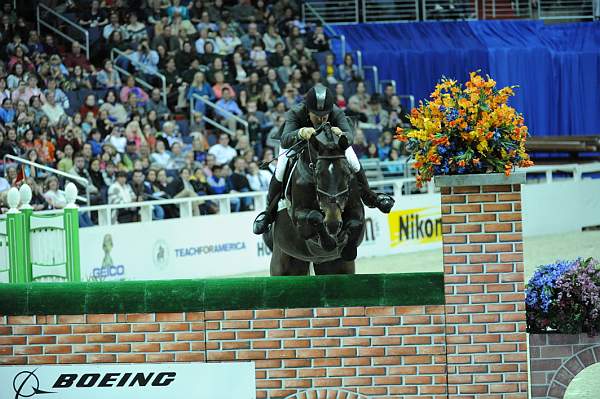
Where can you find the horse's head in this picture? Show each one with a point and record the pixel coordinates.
(332, 178)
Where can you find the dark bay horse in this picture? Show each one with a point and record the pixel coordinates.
(324, 219)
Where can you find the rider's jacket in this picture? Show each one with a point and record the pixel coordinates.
(297, 118)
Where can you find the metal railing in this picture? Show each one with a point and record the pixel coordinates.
(449, 10)
(374, 73)
(390, 10)
(221, 110)
(399, 187)
(41, 22)
(331, 33)
(69, 176)
(567, 9)
(332, 11)
(137, 78)
(505, 9)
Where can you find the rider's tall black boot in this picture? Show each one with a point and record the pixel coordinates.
(264, 219)
(383, 202)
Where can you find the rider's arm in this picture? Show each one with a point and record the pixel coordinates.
(339, 119)
(290, 136)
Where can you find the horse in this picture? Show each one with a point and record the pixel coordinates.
(323, 222)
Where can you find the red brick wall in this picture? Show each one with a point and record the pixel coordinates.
(484, 286)
(375, 351)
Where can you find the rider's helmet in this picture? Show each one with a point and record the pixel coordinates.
(319, 100)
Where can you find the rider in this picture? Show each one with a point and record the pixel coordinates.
(316, 109)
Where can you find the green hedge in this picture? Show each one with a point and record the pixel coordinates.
(222, 294)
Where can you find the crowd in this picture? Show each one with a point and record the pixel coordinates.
(133, 142)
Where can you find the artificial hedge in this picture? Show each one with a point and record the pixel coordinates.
(222, 294)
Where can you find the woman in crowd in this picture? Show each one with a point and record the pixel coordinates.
(108, 77)
(55, 197)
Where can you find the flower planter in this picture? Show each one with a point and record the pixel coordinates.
(557, 358)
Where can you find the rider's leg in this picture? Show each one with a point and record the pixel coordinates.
(371, 199)
(265, 218)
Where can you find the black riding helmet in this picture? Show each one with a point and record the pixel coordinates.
(319, 100)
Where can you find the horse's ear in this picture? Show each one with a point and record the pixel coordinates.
(343, 142)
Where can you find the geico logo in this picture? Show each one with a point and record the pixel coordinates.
(109, 380)
(109, 271)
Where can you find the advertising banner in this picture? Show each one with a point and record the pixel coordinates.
(223, 245)
(140, 381)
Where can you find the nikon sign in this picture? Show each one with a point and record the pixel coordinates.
(140, 381)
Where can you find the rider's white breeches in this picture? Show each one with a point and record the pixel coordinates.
(284, 156)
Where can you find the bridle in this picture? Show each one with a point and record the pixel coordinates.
(331, 198)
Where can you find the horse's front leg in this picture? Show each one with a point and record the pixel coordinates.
(309, 223)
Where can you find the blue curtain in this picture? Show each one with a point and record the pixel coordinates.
(557, 67)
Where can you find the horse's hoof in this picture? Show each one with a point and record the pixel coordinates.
(349, 253)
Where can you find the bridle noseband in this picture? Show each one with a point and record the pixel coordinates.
(331, 198)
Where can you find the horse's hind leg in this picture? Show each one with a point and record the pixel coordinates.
(337, 266)
(284, 265)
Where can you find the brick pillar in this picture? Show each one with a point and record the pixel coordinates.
(484, 286)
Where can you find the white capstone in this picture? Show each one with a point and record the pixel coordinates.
(13, 200)
(26, 195)
(70, 194)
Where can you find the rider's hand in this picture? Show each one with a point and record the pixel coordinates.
(306, 132)
(337, 131)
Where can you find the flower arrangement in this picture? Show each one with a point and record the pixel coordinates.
(565, 297)
(466, 130)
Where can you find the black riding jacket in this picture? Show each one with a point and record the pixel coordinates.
(297, 118)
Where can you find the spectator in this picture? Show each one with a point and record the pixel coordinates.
(108, 77)
(89, 105)
(117, 140)
(77, 58)
(136, 30)
(55, 197)
(329, 70)
(177, 8)
(227, 103)
(7, 113)
(130, 88)
(376, 115)
(115, 110)
(120, 192)
(385, 145)
(361, 98)
(59, 96)
(258, 180)
(348, 71)
(113, 26)
(161, 158)
(52, 110)
(220, 84)
(80, 170)
(239, 184)
(222, 151)
(360, 145)
(177, 158)
(65, 164)
(95, 17)
(156, 104)
(318, 41)
(271, 39)
(179, 25)
(226, 42)
(251, 37)
(145, 60)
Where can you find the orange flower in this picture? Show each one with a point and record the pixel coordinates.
(475, 161)
(461, 163)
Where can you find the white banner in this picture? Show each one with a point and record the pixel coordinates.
(213, 246)
(139, 381)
